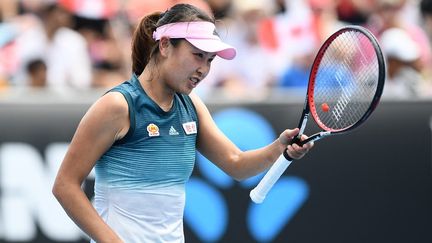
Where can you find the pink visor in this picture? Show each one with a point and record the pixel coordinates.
(200, 34)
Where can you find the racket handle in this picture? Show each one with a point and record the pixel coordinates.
(259, 193)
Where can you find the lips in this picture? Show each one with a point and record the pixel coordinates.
(194, 82)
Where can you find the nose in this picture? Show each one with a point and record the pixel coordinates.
(203, 70)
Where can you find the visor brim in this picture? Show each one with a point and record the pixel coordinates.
(221, 49)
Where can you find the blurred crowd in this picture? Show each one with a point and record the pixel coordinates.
(85, 44)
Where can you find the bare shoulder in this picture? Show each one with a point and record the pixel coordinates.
(203, 113)
(110, 110)
(108, 115)
(112, 103)
(198, 103)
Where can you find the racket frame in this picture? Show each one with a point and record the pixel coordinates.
(259, 193)
(309, 106)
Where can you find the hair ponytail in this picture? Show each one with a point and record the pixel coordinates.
(143, 44)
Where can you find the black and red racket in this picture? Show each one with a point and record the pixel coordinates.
(345, 85)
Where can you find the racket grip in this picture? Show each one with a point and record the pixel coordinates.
(259, 193)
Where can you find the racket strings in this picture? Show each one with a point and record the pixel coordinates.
(346, 81)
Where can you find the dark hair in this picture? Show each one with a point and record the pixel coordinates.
(34, 65)
(426, 7)
(144, 47)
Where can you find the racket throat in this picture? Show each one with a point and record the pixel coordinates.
(302, 124)
(320, 135)
(315, 137)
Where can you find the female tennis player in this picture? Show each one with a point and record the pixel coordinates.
(142, 136)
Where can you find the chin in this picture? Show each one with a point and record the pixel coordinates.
(185, 91)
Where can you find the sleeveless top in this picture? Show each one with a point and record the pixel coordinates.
(140, 180)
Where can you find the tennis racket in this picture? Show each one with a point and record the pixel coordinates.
(345, 85)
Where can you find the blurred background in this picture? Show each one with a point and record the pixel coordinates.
(84, 45)
(59, 56)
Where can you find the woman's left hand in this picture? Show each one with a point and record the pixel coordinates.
(294, 150)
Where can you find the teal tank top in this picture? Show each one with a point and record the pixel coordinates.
(159, 148)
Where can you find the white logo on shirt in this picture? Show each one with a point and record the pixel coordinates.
(172, 131)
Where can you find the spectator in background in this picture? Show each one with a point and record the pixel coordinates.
(8, 10)
(391, 14)
(11, 25)
(8, 63)
(63, 50)
(426, 14)
(318, 21)
(106, 51)
(426, 17)
(135, 9)
(403, 57)
(355, 11)
(253, 70)
(37, 73)
(220, 8)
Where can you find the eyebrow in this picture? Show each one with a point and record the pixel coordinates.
(199, 50)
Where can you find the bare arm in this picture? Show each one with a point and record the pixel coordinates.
(106, 121)
(215, 146)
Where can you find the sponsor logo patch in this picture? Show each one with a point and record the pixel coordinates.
(153, 130)
(190, 127)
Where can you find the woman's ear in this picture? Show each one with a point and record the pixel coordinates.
(164, 44)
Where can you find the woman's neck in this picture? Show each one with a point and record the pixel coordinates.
(156, 89)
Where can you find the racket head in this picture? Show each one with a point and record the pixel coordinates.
(346, 80)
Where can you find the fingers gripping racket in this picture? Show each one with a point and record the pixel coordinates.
(345, 85)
